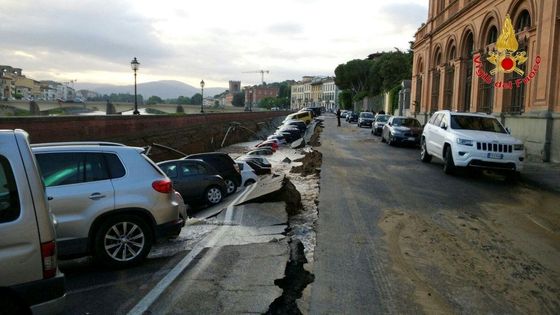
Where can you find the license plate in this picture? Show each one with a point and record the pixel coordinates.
(497, 156)
(411, 138)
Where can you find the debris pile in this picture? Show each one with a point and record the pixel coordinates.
(311, 164)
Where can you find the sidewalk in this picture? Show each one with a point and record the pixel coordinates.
(544, 175)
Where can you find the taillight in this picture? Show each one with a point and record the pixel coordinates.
(163, 186)
(48, 253)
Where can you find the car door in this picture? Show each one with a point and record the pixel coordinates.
(20, 251)
(193, 179)
(431, 136)
(78, 188)
(438, 134)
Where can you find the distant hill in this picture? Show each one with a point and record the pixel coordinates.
(164, 89)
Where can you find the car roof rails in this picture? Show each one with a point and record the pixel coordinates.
(92, 143)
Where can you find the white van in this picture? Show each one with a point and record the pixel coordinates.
(29, 275)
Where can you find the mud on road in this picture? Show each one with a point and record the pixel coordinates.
(500, 262)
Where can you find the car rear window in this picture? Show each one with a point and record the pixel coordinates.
(9, 199)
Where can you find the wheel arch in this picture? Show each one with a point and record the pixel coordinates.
(139, 212)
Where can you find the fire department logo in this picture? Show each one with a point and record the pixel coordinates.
(506, 58)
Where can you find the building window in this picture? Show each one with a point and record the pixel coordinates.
(524, 21)
(448, 88)
(418, 92)
(468, 73)
(435, 90)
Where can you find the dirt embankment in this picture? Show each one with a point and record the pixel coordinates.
(311, 164)
(502, 262)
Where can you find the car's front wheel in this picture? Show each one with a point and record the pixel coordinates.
(448, 164)
(122, 241)
(213, 195)
(424, 155)
(231, 187)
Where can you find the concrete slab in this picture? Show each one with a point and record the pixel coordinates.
(235, 279)
(264, 214)
(264, 186)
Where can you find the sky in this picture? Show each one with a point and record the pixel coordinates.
(214, 40)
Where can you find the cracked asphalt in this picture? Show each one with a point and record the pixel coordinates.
(398, 236)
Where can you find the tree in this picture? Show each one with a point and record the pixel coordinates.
(153, 100)
(345, 99)
(238, 99)
(196, 99)
(353, 76)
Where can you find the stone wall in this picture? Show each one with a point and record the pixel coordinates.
(186, 133)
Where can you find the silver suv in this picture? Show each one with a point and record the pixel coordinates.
(471, 140)
(110, 200)
(29, 276)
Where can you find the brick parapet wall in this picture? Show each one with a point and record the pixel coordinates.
(188, 133)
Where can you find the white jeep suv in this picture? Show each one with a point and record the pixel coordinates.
(471, 140)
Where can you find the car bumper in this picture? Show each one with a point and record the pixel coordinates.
(406, 139)
(365, 123)
(44, 296)
(481, 159)
(169, 229)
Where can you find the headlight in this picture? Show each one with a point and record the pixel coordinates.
(465, 142)
(518, 147)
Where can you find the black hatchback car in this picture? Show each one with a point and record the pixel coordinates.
(225, 166)
(400, 129)
(195, 180)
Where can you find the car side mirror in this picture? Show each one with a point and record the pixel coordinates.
(444, 127)
(508, 130)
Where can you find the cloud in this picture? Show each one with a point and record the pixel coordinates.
(94, 40)
(405, 15)
(285, 28)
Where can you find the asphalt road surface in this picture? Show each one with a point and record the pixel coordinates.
(396, 235)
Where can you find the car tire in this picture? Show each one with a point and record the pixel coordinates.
(448, 164)
(231, 187)
(213, 195)
(249, 182)
(424, 155)
(122, 241)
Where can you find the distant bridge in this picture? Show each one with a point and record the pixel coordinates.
(119, 107)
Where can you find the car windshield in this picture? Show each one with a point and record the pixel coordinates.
(382, 118)
(476, 123)
(406, 122)
(366, 115)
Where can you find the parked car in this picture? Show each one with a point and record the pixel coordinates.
(365, 119)
(261, 151)
(259, 164)
(353, 117)
(378, 123)
(344, 113)
(400, 129)
(306, 117)
(280, 139)
(195, 180)
(29, 275)
(248, 175)
(471, 140)
(295, 123)
(110, 200)
(225, 166)
(268, 144)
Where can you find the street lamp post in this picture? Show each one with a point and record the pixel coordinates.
(202, 100)
(134, 64)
